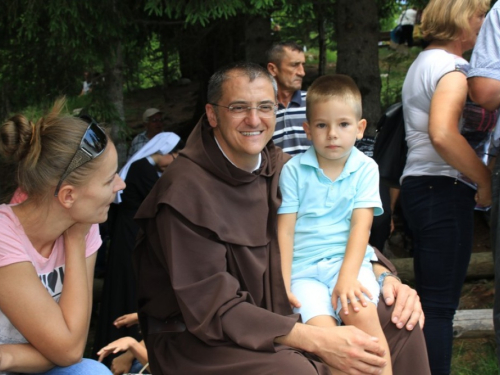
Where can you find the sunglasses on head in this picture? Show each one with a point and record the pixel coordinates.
(92, 145)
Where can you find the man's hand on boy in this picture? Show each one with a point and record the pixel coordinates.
(407, 310)
(350, 291)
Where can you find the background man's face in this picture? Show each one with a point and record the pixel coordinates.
(290, 72)
(154, 125)
(242, 139)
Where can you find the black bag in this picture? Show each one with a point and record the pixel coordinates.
(397, 34)
(390, 145)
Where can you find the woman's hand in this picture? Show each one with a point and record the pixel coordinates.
(483, 195)
(74, 236)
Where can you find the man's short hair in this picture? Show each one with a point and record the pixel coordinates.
(335, 86)
(277, 50)
(249, 69)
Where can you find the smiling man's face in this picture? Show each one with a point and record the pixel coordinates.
(242, 139)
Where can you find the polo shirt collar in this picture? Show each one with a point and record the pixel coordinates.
(352, 165)
(295, 101)
(297, 98)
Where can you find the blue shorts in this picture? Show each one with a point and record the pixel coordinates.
(314, 285)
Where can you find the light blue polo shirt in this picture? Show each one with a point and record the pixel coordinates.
(324, 207)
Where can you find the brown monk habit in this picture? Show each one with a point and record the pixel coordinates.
(207, 256)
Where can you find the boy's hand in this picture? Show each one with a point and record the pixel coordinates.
(293, 300)
(126, 320)
(352, 291)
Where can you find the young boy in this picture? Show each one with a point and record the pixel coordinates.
(330, 194)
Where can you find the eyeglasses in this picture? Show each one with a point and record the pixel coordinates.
(241, 111)
(92, 145)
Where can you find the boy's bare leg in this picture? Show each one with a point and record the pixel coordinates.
(366, 319)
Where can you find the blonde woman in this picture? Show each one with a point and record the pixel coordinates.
(67, 167)
(444, 178)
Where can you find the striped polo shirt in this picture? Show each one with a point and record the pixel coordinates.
(289, 134)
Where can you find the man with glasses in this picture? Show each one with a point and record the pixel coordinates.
(286, 62)
(153, 122)
(210, 289)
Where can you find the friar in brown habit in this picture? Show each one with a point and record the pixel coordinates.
(211, 295)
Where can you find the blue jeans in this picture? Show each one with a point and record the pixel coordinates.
(440, 214)
(136, 367)
(85, 367)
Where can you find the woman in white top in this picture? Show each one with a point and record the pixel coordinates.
(67, 167)
(442, 173)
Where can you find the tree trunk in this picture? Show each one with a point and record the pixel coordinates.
(319, 11)
(258, 39)
(114, 67)
(357, 53)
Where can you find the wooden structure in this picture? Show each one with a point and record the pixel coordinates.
(480, 267)
(469, 324)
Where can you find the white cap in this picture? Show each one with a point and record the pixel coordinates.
(148, 113)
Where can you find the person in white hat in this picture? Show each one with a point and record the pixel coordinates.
(153, 123)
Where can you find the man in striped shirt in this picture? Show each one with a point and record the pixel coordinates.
(286, 64)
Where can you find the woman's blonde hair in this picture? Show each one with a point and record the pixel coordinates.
(445, 20)
(37, 153)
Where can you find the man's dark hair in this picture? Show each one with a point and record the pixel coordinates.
(249, 69)
(277, 50)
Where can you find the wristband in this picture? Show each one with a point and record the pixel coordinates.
(385, 274)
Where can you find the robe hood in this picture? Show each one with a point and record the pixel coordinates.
(211, 178)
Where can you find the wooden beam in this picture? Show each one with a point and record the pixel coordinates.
(469, 324)
(480, 267)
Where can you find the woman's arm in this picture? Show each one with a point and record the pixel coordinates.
(57, 331)
(22, 358)
(446, 108)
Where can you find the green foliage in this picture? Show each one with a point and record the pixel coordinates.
(472, 357)
(312, 56)
(298, 23)
(393, 68)
(148, 66)
(203, 11)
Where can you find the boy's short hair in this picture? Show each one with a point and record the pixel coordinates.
(335, 86)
